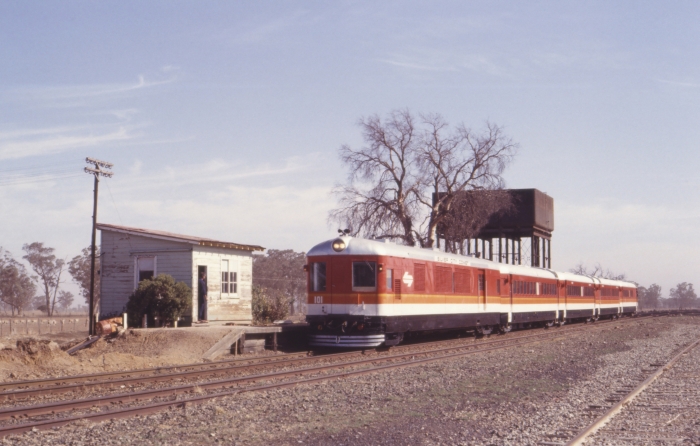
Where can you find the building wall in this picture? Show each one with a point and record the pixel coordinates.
(225, 307)
(118, 265)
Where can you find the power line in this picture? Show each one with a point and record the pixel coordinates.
(36, 173)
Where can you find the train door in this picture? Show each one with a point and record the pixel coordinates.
(340, 284)
(561, 295)
(481, 289)
(507, 296)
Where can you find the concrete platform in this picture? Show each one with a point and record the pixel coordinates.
(238, 339)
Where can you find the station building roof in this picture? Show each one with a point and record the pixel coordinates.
(163, 235)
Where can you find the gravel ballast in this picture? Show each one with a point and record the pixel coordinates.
(527, 395)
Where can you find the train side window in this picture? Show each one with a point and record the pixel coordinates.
(498, 287)
(389, 279)
(364, 276)
(317, 276)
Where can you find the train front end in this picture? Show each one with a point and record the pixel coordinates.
(345, 293)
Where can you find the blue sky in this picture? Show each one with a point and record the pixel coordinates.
(223, 119)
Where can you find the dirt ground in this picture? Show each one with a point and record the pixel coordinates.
(40, 357)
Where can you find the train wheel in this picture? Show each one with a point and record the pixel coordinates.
(589, 320)
(548, 324)
(503, 329)
(482, 331)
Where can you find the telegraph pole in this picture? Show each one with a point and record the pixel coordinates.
(97, 169)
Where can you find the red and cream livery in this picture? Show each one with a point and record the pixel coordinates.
(365, 293)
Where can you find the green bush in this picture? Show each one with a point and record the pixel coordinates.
(269, 305)
(160, 296)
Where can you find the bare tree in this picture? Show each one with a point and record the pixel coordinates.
(16, 286)
(471, 211)
(407, 163)
(597, 271)
(458, 161)
(380, 197)
(49, 269)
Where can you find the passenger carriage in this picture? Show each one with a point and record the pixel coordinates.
(367, 293)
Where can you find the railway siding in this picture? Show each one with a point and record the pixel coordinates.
(667, 411)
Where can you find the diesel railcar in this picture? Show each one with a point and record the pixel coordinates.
(368, 293)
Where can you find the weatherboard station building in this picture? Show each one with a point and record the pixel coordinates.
(129, 255)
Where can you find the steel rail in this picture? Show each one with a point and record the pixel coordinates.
(8, 387)
(4, 387)
(205, 370)
(155, 407)
(86, 386)
(617, 408)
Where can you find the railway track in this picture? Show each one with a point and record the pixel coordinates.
(662, 409)
(153, 400)
(47, 386)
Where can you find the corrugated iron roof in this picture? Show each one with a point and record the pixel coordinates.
(163, 235)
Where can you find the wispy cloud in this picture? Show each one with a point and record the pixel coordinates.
(214, 172)
(269, 29)
(80, 95)
(679, 84)
(417, 66)
(23, 144)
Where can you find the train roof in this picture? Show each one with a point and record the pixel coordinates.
(361, 246)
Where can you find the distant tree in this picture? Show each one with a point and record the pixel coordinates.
(160, 296)
(65, 299)
(48, 269)
(39, 303)
(282, 270)
(649, 297)
(408, 161)
(16, 286)
(684, 295)
(79, 269)
(597, 271)
(269, 305)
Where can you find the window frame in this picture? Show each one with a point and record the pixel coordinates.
(313, 281)
(352, 278)
(228, 278)
(137, 271)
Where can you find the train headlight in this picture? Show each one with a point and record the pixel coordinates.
(338, 245)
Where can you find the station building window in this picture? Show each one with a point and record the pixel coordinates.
(145, 269)
(229, 279)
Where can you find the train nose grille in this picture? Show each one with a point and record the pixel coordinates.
(346, 341)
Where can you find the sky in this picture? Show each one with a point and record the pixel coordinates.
(224, 119)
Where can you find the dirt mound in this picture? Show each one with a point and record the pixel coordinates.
(33, 358)
(37, 358)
